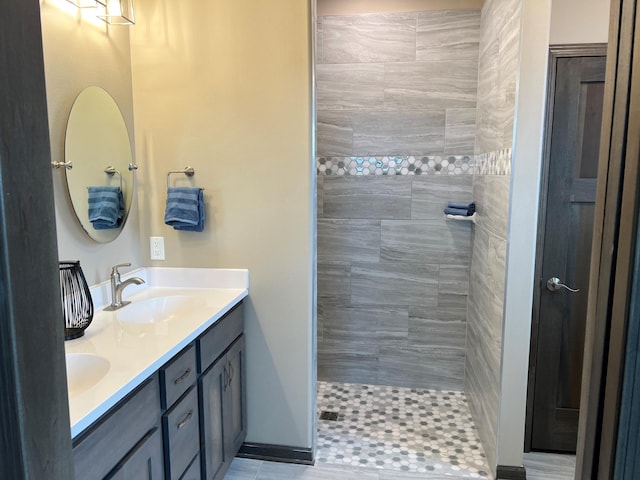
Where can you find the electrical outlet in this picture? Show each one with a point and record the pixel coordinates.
(157, 248)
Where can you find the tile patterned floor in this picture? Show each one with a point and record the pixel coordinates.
(399, 429)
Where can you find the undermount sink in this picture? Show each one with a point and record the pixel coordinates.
(158, 309)
(84, 370)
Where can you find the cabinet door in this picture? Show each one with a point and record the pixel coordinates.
(212, 392)
(144, 462)
(235, 423)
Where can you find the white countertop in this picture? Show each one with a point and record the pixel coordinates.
(136, 350)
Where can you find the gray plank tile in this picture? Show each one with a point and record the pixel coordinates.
(448, 34)
(243, 469)
(430, 194)
(347, 240)
(334, 133)
(440, 368)
(427, 329)
(399, 132)
(350, 86)
(496, 259)
(452, 307)
(349, 363)
(394, 283)
(427, 241)
(282, 471)
(378, 324)
(334, 281)
(319, 195)
(319, 42)
(435, 85)
(493, 210)
(488, 132)
(369, 38)
(460, 131)
(367, 197)
(549, 466)
(454, 279)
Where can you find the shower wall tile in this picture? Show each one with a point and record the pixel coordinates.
(367, 197)
(441, 368)
(427, 329)
(428, 241)
(319, 195)
(319, 42)
(430, 194)
(460, 131)
(373, 324)
(396, 133)
(334, 131)
(454, 279)
(394, 77)
(349, 87)
(334, 282)
(448, 34)
(348, 240)
(394, 283)
(432, 85)
(341, 362)
(369, 38)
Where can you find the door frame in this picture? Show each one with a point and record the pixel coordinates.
(34, 409)
(556, 52)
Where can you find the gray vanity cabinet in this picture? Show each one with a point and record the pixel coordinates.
(118, 440)
(144, 462)
(186, 422)
(223, 411)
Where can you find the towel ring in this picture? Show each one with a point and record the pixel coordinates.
(188, 171)
(111, 171)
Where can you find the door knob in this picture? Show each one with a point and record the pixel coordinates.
(554, 284)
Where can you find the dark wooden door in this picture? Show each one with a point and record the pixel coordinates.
(565, 248)
(144, 462)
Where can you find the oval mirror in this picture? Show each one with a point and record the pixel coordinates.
(100, 182)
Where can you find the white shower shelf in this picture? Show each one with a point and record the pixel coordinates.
(463, 218)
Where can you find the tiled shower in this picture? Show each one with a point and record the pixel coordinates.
(414, 110)
(396, 104)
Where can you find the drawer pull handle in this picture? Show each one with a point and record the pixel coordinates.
(185, 420)
(181, 378)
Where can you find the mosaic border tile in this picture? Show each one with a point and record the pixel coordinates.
(494, 163)
(396, 165)
(491, 163)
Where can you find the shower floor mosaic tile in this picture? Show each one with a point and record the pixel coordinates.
(402, 429)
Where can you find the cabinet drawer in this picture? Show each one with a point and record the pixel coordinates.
(222, 334)
(181, 435)
(193, 472)
(105, 445)
(177, 376)
(144, 462)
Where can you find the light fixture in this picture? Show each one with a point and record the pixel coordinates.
(116, 12)
(83, 3)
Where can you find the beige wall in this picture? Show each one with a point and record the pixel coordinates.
(351, 7)
(579, 21)
(226, 88)
(79, 52)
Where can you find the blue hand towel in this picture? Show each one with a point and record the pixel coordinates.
(185, 209)
(456, 211)
(106, 207)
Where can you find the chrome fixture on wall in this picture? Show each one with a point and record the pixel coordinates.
(113, 12)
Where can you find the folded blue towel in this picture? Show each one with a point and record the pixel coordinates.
(466, 209)
(106, 207)
(456, 211)
(185, 209)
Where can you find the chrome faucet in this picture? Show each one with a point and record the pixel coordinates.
(117, 287)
